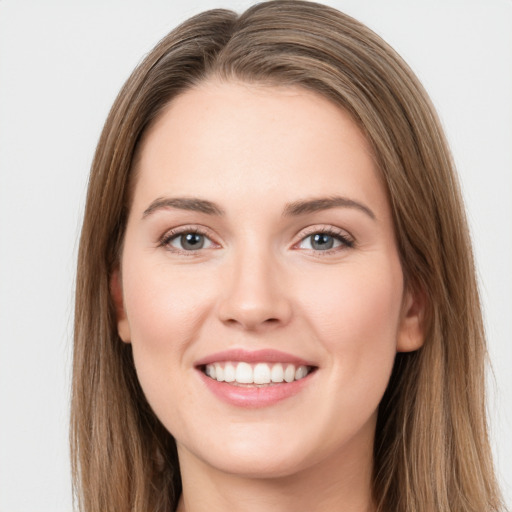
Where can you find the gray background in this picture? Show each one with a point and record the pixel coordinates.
(61, 65)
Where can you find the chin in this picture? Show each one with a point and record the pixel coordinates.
(259, 466)
(263, 456)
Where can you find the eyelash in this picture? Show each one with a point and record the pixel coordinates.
(171, 235)
(346, 241)
(339, 235)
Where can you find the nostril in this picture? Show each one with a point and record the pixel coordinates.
(251, 320)
(254, 301)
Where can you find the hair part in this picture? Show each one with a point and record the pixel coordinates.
(431, 447)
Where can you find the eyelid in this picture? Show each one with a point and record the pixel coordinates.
(344, 236)
(170, 234)
(346, 239)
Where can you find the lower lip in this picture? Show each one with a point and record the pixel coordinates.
(253, 396)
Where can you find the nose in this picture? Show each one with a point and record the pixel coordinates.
(254, 297)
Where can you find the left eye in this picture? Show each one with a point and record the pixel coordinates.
(189, 241)
(323, 242)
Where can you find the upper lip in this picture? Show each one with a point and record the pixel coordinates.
(253, 356)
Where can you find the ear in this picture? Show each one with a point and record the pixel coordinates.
(116, 291)
(411, 333)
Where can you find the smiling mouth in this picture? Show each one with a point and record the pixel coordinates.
(257, 374)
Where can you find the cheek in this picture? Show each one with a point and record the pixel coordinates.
(356, 299)
(166, 312)
(164, 308)
(353, 310)
(356, 318)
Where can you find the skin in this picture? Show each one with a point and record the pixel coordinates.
(258, 283)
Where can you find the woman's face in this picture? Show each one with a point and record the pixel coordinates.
(260, 248)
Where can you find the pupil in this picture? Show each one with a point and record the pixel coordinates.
(192, 241)
(322, 241)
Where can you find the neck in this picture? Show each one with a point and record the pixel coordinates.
(340, 482)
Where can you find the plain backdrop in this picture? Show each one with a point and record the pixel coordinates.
(61, 66)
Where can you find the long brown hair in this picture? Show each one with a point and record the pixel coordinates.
(431, 445)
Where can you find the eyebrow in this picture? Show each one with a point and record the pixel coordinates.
(324, 203)
(184, 203)
(293, 209)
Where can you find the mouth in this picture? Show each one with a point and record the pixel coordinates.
(253, 379)
(261, 374)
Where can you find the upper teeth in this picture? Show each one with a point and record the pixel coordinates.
(260, 373)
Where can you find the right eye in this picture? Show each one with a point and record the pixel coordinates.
(187, 241)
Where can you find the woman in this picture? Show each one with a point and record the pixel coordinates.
(276, 301)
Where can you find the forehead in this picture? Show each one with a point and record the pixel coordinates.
(228, 139)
